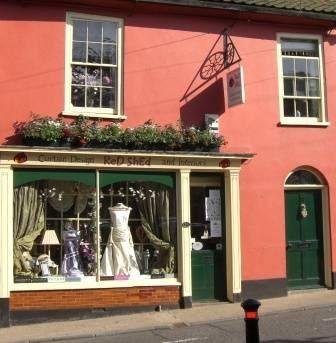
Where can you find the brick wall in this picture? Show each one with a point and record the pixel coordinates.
(94, 298)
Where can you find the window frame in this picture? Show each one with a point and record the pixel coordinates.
(302, 121)
(94, 112)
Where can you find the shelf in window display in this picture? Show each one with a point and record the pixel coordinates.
(70, 218)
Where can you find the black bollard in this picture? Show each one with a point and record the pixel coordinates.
(250, 307)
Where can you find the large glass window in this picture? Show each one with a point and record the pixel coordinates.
(65, 229)
(302, 95)
(94, 45)
(152, 225)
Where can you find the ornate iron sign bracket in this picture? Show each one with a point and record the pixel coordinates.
(215, 62)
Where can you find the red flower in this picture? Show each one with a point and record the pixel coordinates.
(66, 132)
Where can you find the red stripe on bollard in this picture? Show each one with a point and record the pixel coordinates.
(251, 315)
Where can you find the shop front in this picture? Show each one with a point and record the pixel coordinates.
(85, 231)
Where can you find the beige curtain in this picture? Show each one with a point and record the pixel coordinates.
(154, 213)
(28, 222)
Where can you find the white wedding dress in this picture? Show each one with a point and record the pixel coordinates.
(119, 257)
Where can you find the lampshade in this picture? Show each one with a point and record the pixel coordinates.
(50, 238)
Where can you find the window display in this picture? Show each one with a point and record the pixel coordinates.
(152, 224)
(119, 257)
(57, 237)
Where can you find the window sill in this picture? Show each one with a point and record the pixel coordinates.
(304, 123)
(95, 115)
(91, 283)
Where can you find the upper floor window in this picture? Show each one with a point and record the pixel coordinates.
(93, 66)
(301, 86)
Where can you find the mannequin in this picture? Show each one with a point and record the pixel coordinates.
(119, 257)
(71, 260)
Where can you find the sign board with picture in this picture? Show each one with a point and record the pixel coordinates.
(235, 87)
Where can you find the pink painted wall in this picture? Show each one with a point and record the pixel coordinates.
(162, 54)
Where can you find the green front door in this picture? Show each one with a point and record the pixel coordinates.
(305, 266)
(207, 275)
(208, 241)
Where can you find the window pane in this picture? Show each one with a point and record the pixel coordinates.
(300, 67)
(289, 107)
(313, 107)
(79, 52)
(94, 53)
(109, 77)
(301, 108)
(94, 31)
(314, 87)
(313, 68)
(78, 96)
(93, 97)
(301, 87)
(79, 30)
(288, 86)
(109, 54)
(302, 177)
(110, 32)
(108, 98)
(288, 66)
(299, 47)
(78, 75)
(93, 76)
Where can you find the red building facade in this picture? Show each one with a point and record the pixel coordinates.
(255, 219)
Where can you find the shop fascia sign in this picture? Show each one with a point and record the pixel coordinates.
(47, 158)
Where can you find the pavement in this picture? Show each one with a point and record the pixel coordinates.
(198, 314)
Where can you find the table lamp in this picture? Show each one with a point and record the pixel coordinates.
(50, 238)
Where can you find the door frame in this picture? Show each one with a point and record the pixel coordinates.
(325, 223)
(214, 180)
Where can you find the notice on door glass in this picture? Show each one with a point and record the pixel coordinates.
(213, 212)
(215, 228)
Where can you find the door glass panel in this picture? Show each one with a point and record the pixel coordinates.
(206, 218)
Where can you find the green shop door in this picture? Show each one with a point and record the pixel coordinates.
(305, 266)
(208, 253)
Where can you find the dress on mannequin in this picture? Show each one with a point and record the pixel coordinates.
(119, 256)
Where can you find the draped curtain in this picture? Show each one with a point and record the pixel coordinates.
(28, 222)
(154, 213)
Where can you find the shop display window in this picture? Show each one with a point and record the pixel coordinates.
(67, 229)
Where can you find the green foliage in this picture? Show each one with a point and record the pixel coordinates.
(149, 136)
(144, 137)
(46, 129)
(110, 135)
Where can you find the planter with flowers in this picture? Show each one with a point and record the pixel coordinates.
(43, 131)
(81, 132)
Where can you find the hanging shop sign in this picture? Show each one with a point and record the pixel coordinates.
(235, 87)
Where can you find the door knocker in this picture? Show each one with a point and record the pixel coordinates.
(304, 212)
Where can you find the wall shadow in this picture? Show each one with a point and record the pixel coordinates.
(209, 100)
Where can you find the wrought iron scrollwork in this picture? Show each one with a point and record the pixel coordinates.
(217, 60)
